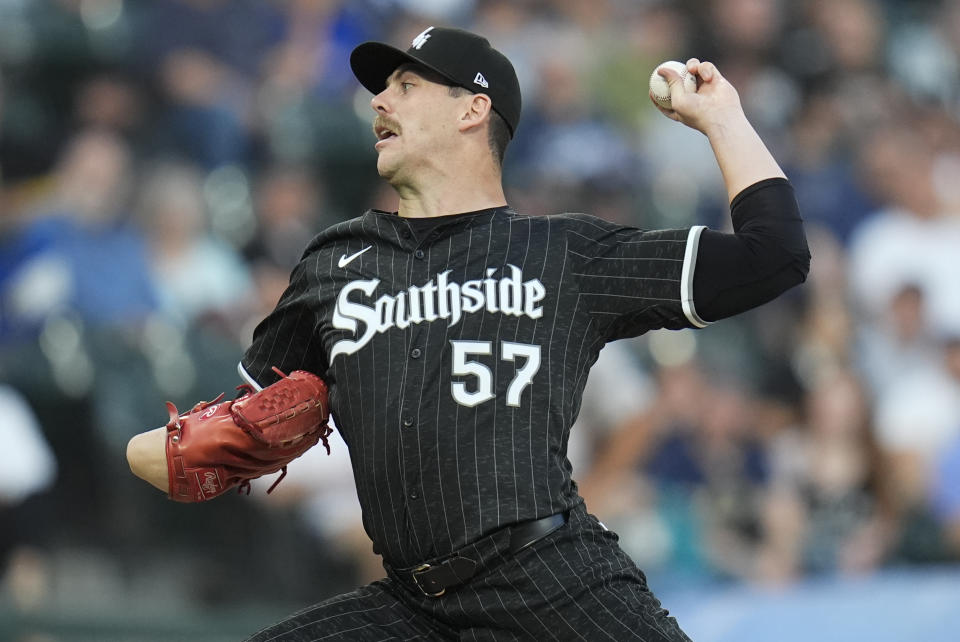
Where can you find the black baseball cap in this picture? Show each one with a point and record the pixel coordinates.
(465, 59)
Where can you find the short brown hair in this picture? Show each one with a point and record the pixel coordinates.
(498, 135)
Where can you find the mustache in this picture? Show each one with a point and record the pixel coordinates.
(382, 122)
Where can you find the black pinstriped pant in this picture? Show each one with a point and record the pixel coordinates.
(574, 584)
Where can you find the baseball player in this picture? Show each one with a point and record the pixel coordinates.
(455, 336)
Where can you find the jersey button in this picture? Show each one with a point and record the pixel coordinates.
(413, 494)
(408, 421)
(419, 254)
(415, 353)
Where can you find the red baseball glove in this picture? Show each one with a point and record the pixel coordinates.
(219, 445)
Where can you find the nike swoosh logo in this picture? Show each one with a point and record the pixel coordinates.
(344, 259)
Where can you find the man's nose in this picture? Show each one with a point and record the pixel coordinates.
(379, 103)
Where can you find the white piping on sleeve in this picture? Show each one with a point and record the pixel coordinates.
(686, 276)
(246, 377)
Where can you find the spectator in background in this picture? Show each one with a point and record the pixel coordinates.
(924, 52)
(720, 465)
(852, 32)
(196, 272)
(569, 146)
(238, 320)
(903, 267)
(76, 253)
(112, 101)
(51, 48)
(683, 486)
(304, 104)
(827, 508)
(821, 169)
(205, 55)
(745, 36)
(898, 343)
(27, 467)
(317, 38)
(654, 530)
(917, 420)
(652, 32)
(912, 239)
(290, 209)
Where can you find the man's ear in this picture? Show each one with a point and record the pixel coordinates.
(477, 112)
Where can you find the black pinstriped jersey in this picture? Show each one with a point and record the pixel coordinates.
(456, 360)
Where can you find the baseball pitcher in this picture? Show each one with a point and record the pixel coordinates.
(451, 341)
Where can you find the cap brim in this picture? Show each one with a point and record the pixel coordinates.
(373, 62)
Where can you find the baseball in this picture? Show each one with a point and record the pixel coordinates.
(660, 89)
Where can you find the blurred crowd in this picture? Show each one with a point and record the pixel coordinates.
(164, 162)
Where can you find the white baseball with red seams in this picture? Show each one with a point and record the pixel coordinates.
(660, 89)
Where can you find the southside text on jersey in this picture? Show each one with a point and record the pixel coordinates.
(431, 301)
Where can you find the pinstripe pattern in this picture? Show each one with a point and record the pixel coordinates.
(456, 360)
(574, 584)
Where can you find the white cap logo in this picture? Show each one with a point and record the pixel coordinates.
(420, 40)
(480, 80)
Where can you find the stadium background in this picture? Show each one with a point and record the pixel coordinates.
(789, 474)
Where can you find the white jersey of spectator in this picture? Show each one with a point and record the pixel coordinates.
(195, 270)
(920, 413)
(894, 249)
(208, 275)
(27, 465)
(900, 342)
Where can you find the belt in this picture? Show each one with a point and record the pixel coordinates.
(434, 579)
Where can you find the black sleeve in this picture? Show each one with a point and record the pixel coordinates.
(766, 255)
(286, 338)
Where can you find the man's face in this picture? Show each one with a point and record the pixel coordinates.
(416, 125)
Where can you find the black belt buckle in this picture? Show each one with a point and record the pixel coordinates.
(420, 570)
(433, 580)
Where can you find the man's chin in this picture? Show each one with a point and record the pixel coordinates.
(385, 168)
(389, 172)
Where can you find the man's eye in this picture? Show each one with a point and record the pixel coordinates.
(406, 85)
